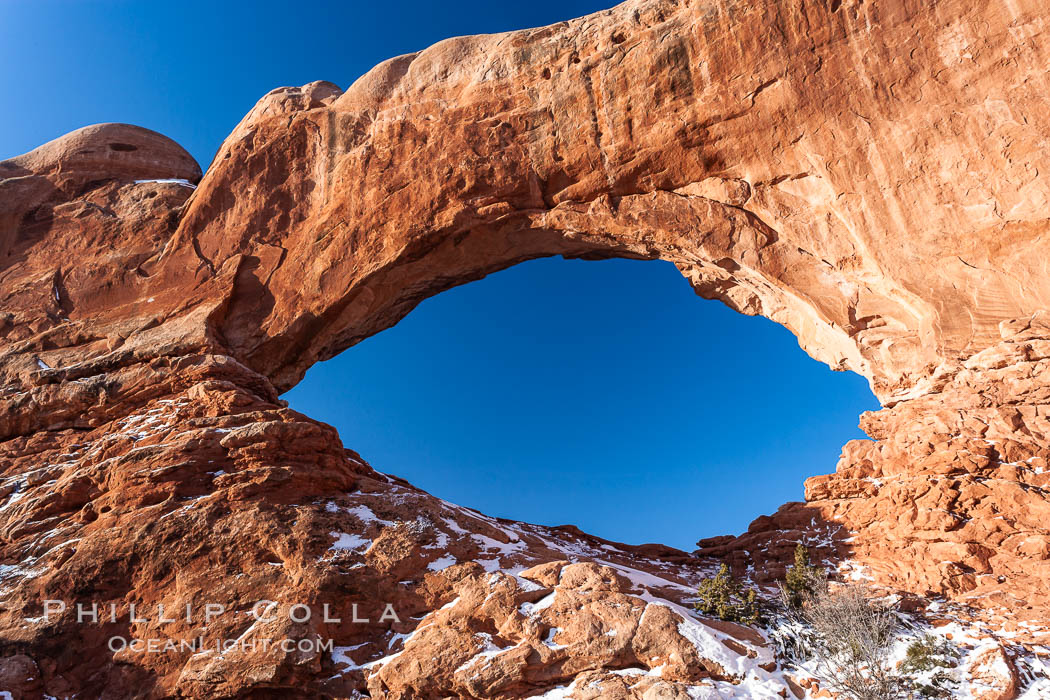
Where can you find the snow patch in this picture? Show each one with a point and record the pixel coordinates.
(488, 650)
(533, 609)
(352, 543)
(549, 642)
(170, 181)
(441, 564)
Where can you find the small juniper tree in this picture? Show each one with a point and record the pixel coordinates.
(802, 581)
(725, 598)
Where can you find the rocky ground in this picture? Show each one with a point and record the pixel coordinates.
(786, 157)
(209, 493)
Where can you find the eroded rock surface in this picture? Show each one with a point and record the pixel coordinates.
(867, 174)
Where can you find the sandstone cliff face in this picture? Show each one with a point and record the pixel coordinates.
(866, 174)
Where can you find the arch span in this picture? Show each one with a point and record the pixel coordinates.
(794, 187)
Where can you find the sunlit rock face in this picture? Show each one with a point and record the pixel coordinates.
(866, 174)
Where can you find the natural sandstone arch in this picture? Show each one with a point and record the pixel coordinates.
(889, 216)
(864, 207)
(866, 174)
(870, 175)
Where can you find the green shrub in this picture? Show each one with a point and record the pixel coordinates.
(926, 662)
(803, 580)
(725, 598)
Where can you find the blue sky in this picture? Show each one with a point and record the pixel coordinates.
(602, 394)
(191, 69)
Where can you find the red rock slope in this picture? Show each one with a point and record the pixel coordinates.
(870, 175)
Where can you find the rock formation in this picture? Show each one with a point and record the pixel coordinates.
(870, 175)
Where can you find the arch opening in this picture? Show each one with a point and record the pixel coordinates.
(604, 395)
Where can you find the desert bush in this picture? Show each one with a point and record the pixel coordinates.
(853, 641)
(725, 598)
(803, 581)
(849, 636)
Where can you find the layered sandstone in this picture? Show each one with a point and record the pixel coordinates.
(867, 174)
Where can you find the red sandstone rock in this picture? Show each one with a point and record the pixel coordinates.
(867, 174)
(992, 675)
